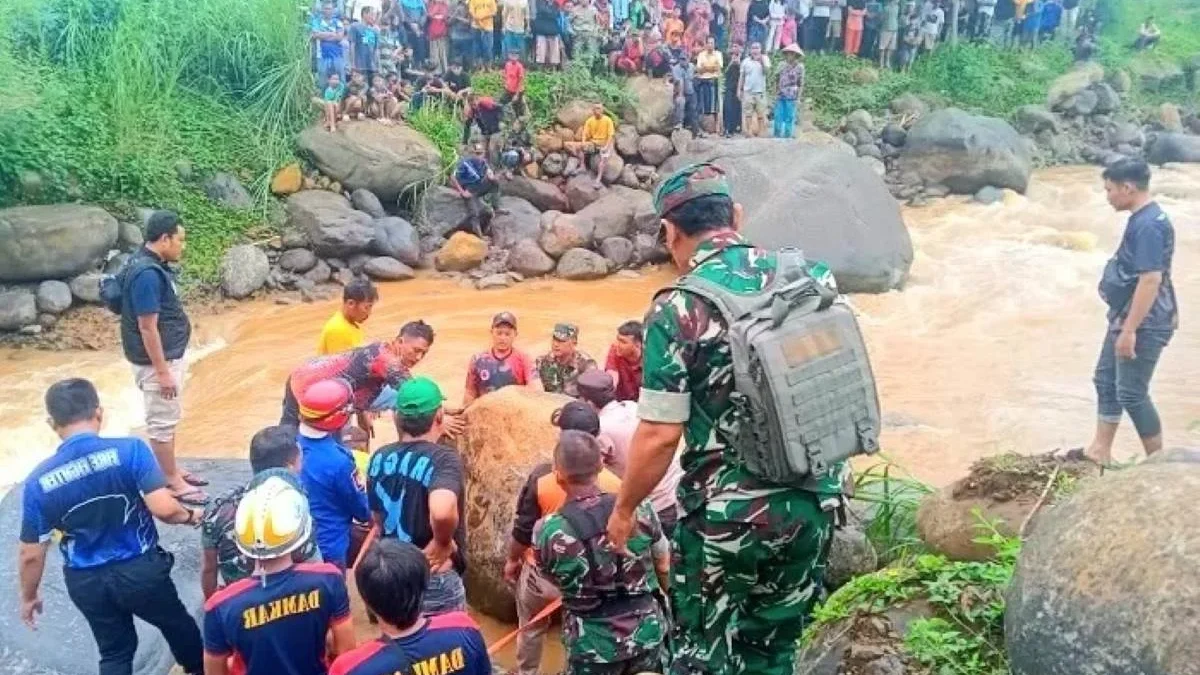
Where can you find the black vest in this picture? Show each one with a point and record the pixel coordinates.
(173, 326)
(588, 524)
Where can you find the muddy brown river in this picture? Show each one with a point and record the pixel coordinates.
(989, 349)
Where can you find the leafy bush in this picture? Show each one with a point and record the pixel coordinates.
(548, 90)
(892, 498)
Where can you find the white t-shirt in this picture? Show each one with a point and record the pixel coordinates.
(754, 75)
(776, 10)
(618, 421)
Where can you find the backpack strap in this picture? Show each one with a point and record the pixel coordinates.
(588, 524)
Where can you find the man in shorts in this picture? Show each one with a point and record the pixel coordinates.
(599, 136)
(753, 85)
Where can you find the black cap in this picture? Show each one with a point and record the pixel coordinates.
(505, 318)
(577, 415)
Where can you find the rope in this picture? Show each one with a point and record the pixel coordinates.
(504, 641)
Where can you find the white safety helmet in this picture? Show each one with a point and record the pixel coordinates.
(272, 518)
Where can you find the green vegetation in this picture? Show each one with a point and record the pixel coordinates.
(547, 91)
(892, 498)
(135, 102)
(1180, 43)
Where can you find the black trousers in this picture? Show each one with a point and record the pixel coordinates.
(110, 596)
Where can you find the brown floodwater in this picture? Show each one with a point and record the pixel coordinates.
(989, 349)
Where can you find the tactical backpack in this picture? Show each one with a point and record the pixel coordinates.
(588, 525)
(803, 383)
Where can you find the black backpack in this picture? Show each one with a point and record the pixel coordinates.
(113, 286)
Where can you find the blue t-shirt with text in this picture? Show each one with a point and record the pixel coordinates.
(1148, 245)
(91, 490)
(448, 644)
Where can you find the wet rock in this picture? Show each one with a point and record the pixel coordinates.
(515, 220)
(129, 237)
(297, 260)
(627, 141)
(18, 307)
(554, 164)
(652, 102)
(618, 251)
(1032, 119)
(655, 148)
(1166, 147)
(226, 190)
(680, 140)
(647, 250)
(396, 238)
(1071, 83)
(580, 264)
(53, 297)
(243, 271)
(612, 168)
(384, 268)
(1125, 133)
(869, 151)
(859, 118)
(582, 190)
(1107, 98)
(544, 195)
(320, 272)
(386, 160)
(368, 203)
(287, 180)
(893, 134)
(493, 281)
(1105, 589)
(559, 234)
(850, 555)
(86, 287)
(442, 211)
(966, 152)
(529, 260)
(989, 195)
(1169, 118)
(876, 165)
(908, 105)
(574, 114)
(53, 241)
(330, 225)
(461, 252)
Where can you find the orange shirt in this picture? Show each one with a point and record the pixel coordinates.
(673, 30)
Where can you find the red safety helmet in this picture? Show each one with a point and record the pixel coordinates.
(327, 405)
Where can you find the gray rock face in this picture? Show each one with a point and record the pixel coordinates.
(320, 272)
(116, 262)
(894, 135)
(53, 297)
(966, 152)
(383, 159)
(647, 250)
(582, 190)
(876, 165)
(1168, 147)
(130, 237)
(53, 242)
(1085, 598)
(655, 148)
(559, 234)
(680, 140)
(612, 168)
(908, 104)
(244, 270)
(227, 191)
(515, 220)
(298, 260)
(1070, 83)
(818, 199)
(331, 226)
(528, 259)
(850, 555)
(580, 264)
(611, 216)
(387, 269)
(544, 195)
(442, 212)
(652, 101)
(860, 118)
(627, 141)
(17, 308)
(368, 203)
(396, 238)
(1107, 98)
(1125, 133)
(1084, 103)
(618, 251)
(1031, 119)
(86, 287)
(869, 150)
(989, 195)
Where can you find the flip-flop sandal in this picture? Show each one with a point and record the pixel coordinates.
(194, 480)
(1078, 455)
(192, 497)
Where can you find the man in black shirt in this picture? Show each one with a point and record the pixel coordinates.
(457, 80)
(415, 490)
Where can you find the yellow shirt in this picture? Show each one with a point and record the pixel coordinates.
(598, 130)
(339, 335)
(483, 11)
(709, 66)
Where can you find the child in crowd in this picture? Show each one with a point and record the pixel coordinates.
(788, 32)
(517, 144)
(356, 97)
(332, 100)
(514, 84)
(639, 15)
(383, 102)
(629, 59)
(911, 42)
(673, 29)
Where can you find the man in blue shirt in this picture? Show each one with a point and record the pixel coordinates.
(474, 179)
(1142, 311)
(102, 495)
(329, 32)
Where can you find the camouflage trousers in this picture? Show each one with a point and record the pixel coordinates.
(745, 576)
(650, 662)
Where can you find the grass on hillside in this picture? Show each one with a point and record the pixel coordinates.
(1177, 19)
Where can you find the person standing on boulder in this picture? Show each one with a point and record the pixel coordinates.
(500, 366)
(559, 369)
(155, 331)
(1142, 312)
(103, 495)
(731, 110)
(790, 89)
(741, 593)
(753, 88)
(474, 181)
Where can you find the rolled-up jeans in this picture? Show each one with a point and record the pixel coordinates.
(444, 593)
(1124, 384)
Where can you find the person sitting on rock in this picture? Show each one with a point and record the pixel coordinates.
(356, 97)
(517, 148)
(332, 101)
(628, 61)
(560, 368)
(613, 620)
(392, 579)
(474, 180)
(599, 137)
(501, 365)
(383, 105)
(1148, 35)
(624, 361)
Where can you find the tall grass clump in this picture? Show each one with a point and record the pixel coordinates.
(891, 498)
(135, 102)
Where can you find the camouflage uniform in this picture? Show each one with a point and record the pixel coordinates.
(560, 377)
(628, 642)
(749, 555)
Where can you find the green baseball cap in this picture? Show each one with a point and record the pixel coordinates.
(565, 331)
(690, 182)
(418, 396)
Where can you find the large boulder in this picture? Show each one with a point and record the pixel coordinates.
(908, 105)
(367, 202)
(53, 297)
(612, 168)
(1084, 103)
(544, 195)
(611, 216)
(18, 307)
(52, 242)
(627, 141)
(965, 152)
(515, 220)
(528, 259)
(1107, 584)
(580, 264)
(850, 555)
(1125, 133)
(647, 250)
(582, 190)
(652, 102)
(574, 114)
(384, 268)
(287, 180)
(332, 227)
(461, 252)
(618, 251)
(655, 148)
(396, 238)
(385, 159)
(1107, 99)
(1072, 82)
(297, 260)
(244, 269)
(86, 287)
(227, 190)
(1167, 147)
(441, 212)
(560, 233)
(816, 198)
(508, 433)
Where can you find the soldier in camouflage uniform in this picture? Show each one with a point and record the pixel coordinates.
(559, 369)
(613, 621)
(749, 554)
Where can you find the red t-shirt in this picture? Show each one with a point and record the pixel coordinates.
(629, 375)
(439, 13)
(514, 77)
(488, 372)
